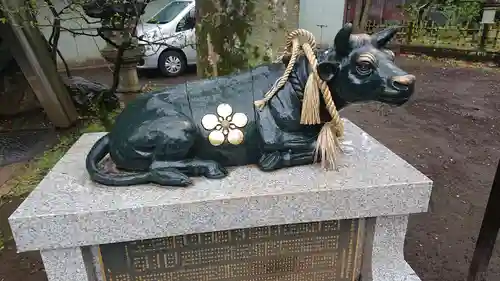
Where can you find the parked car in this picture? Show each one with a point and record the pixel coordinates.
(169, 38)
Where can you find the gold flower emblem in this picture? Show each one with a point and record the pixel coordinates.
(225, 125)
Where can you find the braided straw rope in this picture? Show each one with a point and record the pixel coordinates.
(328, 139)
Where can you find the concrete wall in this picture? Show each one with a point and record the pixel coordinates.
(77, 50)
(322, 12)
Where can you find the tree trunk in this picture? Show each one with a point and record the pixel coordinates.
(238, 34)
(361, 12)
(364, 16)
(28, 48)
(358, 10)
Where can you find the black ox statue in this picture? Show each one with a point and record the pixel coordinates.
(202, 127)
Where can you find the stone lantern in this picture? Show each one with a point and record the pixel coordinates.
(116, 32)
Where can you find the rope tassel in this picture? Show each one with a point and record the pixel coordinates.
(311, 102)
(328, 142)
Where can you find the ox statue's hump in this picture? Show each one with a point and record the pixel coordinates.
(243, 87)
(141, 120)
(239, 82)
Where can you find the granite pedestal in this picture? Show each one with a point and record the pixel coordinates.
(70, 219)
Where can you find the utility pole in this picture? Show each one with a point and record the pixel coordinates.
(321, 32)
(487, 234)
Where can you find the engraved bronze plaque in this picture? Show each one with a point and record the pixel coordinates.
(318, 251)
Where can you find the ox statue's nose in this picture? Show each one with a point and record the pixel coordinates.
(403, 82)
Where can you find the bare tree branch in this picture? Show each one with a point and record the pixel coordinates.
(66, 67)
(56, 30)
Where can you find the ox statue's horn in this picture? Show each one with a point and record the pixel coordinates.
(381, 38)
(342, 40)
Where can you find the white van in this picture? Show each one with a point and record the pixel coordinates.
(168, 36)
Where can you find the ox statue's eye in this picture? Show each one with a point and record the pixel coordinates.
(365, 64)
(364, 68)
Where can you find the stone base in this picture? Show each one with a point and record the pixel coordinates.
(388, 264)
(67, 216)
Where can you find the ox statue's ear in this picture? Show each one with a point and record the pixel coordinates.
(327, 70)
(342, 40)
(381, 38)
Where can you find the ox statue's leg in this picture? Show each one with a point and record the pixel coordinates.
(297, 150)
(284, 148)
(178, 171)
(170, 164)
(277, 160)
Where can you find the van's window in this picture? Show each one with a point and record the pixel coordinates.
(188, 22)
(169, 13)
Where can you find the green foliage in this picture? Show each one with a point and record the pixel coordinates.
(460, 12)
(455, 11)
(410, 10)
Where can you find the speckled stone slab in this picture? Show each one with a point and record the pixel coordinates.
(68, 210)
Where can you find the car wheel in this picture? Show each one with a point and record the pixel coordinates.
(172, 63)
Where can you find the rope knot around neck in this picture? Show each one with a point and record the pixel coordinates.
(328, 142)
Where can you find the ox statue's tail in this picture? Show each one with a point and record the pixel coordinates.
(96, 154)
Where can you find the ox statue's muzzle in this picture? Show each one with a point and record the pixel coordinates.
(399, 90)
